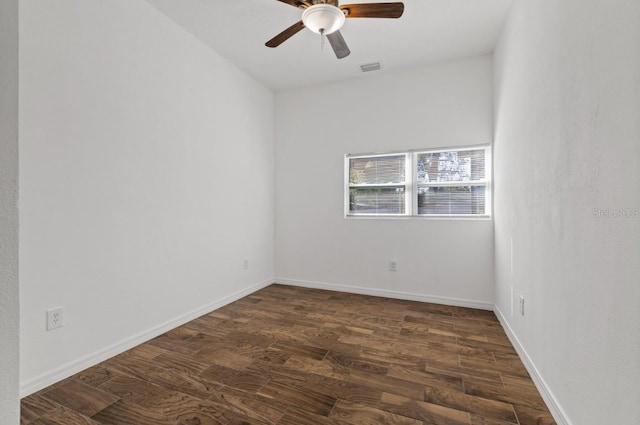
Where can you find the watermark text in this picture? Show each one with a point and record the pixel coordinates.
(616, 212)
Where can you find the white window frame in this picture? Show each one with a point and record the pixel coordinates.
(408, 206)
(411, 184)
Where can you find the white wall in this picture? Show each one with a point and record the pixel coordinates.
(146, 177)
(443, 105)
(9, 300)
(567, 118)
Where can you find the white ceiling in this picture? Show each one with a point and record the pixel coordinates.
(430, 31)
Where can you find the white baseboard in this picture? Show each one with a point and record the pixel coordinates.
(386, 293)
(549, 398)
(48, 378)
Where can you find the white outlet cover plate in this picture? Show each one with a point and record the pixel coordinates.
(54, 318)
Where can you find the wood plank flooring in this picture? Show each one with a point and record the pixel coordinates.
(295, 356)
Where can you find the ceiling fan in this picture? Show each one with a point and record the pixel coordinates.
(326, 17)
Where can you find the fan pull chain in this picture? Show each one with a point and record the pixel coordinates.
(321, 39)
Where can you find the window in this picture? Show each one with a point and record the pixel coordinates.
(377, 184)
(451, 182)
(429, 183)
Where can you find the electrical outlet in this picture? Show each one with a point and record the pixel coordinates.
(521, 305)
(54, 318)
(245, 264)
(393, 266)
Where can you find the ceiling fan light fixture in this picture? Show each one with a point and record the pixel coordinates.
(323, 18)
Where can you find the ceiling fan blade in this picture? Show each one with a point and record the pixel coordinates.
(374, 10)
(296, 3)
(338, 44)
(285, 35)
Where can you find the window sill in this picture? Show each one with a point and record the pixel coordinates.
(419, 217)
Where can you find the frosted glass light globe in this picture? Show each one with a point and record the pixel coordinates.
(323, 18)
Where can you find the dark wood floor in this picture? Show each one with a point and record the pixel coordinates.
(294, 356)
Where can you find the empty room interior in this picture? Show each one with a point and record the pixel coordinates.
(198, 228)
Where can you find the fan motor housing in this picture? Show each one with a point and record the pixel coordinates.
(332, 2)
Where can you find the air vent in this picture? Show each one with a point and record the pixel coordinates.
(370, 67)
